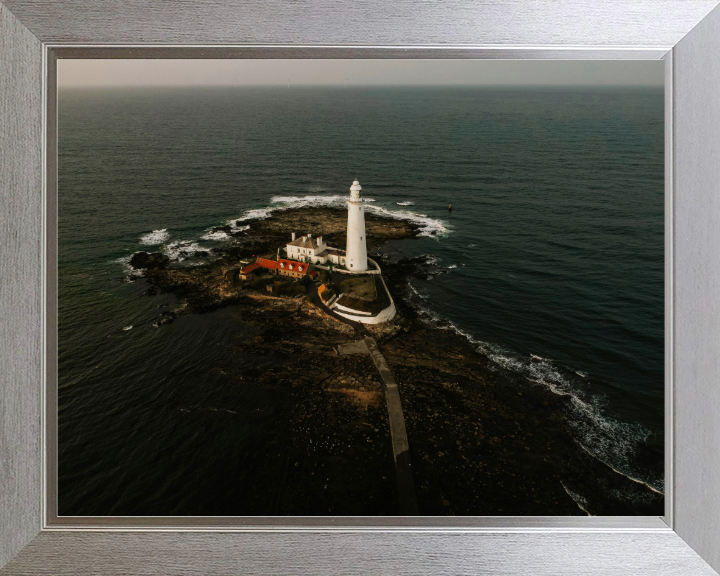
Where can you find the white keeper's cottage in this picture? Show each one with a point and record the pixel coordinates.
(309, 249)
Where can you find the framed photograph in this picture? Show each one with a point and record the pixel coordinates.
(372, 273)
(226, 305)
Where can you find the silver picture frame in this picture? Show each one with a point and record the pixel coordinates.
(683, 33)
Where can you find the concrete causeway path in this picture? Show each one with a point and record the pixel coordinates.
(398, 433)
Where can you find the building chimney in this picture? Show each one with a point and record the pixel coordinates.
(293, 236)
(319, 240)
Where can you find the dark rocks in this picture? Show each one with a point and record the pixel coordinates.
(166, 317)
(148, 261)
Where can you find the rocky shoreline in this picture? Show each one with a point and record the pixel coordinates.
(483, 440)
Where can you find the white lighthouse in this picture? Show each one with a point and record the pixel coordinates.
(356, 257)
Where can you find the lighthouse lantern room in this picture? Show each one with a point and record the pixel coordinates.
(356, 257)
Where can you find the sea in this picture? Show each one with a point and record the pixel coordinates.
(551, 261)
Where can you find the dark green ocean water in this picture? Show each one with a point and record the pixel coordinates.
(552, 260)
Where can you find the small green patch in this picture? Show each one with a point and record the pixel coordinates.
(362, 287)
(363, 305)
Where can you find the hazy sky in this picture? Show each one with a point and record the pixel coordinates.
(357, 72)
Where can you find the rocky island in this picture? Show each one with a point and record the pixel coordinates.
(483, 440)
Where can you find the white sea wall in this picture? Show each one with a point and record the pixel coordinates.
(384, 316)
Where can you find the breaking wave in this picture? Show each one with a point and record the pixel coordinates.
(182, 249)
(428, 226)
(610, 441)
(130, 273)
(216, 236)
(407, 203)
(155, 237)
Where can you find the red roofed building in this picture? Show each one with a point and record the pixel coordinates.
(261, 263)
(248, 270)
(283, 267)
(292, 268)
(269, 264)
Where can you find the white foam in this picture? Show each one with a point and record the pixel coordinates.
(452, 266)
(235, 228)
(620, 472)
(130, 273)
(579, 500)
(215, 236)
(612, 442)
(182, 249)
(408, 203)
(417, 292)
(127, 328)
(312, 200)
(155, 237)
(257, 214)
(428, 226)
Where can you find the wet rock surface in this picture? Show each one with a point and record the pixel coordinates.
(483, 440)
(149, 261)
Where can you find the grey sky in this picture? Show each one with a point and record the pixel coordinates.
(357, 72)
